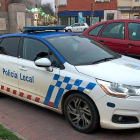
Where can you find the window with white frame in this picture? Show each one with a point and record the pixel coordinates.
(102, 0)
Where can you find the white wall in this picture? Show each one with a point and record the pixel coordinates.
(62, 2)
(110, 11)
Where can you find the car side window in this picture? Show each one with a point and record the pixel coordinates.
(75, 25)
(82, 24)
(96, 30)
(31, 47)
(134, 31)
(9, 46)
(114, 30)
(55, 62)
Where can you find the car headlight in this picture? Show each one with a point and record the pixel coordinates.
(119, 90)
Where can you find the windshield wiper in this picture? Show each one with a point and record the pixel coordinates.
(104, 60)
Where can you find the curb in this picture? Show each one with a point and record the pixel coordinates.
(15, 133)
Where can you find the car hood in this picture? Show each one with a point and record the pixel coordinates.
(124, 70)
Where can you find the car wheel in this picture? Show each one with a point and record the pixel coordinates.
(81, 113)
(69, 30)
(84, 29)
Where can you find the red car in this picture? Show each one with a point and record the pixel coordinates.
(122, 36)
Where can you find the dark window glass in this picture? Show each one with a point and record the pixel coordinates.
(114, 30)
(79, 50)
(76, 25)
(134, 31)
(110, 16)
(9, 46)
(96, 30)
(82, 24)
(32, 47)
(54, 60)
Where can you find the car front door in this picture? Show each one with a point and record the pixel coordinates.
(8, 65)
(34, 81)
(133, 39)
(113, 36)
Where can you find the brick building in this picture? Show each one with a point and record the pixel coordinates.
(4, 4)
(103, 10)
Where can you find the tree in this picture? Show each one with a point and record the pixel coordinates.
(47, 8)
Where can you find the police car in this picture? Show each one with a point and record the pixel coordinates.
(71, 74)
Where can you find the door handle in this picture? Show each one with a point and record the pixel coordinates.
(131, 44)
(101, 40)
(22, 68)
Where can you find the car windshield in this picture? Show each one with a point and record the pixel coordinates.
(80, 50)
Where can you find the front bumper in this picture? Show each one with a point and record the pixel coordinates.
(124, 107)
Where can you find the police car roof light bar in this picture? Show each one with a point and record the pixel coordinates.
(42, 28)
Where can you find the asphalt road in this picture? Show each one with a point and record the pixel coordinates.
(37, 123)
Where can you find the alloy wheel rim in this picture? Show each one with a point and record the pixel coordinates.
(79, 113)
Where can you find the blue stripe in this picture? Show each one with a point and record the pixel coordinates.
(66, 79)
(90, 86)
(81, 89)
(58, 97)
(49, 94)
(78, 82)
(56, 77)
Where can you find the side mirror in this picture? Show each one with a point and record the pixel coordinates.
(43, 62)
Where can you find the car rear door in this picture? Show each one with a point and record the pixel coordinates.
(113, 35)
(8, 65)
(82, 27)
(34, 81)
(75, 27)
(133, 38)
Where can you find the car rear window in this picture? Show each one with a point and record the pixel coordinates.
(95, 31)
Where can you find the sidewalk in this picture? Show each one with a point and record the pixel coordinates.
(36, 123)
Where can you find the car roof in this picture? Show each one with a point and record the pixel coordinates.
(46, 34)
(117, 20)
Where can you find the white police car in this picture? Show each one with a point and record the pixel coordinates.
(71, 74)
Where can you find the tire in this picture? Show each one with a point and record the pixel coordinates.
(79, 108)
(69, 30)
(85, 29)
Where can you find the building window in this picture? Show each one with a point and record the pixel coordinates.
(68, 21)
(72, 20)
(137, 0)
(59, 21)
(110, 16)
(102, 0)
(85, 20)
